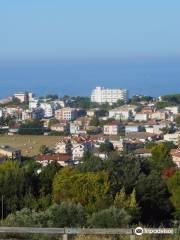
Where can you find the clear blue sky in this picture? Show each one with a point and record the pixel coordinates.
(59, 29)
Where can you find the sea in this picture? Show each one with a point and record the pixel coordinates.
(77, 77)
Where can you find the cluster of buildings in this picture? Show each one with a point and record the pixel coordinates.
(128, 127)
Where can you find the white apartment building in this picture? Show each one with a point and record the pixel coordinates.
(108, 95)
(48, 109)
(33, 103)
(120, 114)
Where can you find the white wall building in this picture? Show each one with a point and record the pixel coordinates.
(141, 117)
(108, 95)
(33, 103)
(119, 114)
(48, 109)
(172, 137)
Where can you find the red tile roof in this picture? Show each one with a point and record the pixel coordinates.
(54, 157)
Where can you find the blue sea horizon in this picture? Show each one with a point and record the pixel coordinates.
(153, 77)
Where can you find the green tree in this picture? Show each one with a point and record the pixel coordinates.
(43, 149)
(177, 121)
(124, 170)
(89, 189)
(94, 122)
(46, 177)
(12, 182)
(153, 200)
(31, 128)
(109, 218)
(174, 188)
(67, 214)
(91, 163)
(106, 147)
(129, 203)
(161, 155)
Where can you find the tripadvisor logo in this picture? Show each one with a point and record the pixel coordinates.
(140, 231)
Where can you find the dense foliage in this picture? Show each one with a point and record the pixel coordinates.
(31, 128)
(119, 191)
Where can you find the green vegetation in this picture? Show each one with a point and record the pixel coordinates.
(31, 128)
(173, 186)
(106, 147)
(123, 190)
(168, 101)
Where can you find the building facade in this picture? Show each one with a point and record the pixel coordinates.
(107, 95)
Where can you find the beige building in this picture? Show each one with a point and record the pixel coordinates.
(60, 127)
(172, 137)
(141, 117)
(66, 114)
(22, 96)
(112, 128)
(159, 115)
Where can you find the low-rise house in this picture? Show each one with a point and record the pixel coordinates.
(141, 117)
(155, 129)
(74, 128)
(83, 121)
(13, 111)
(96, 112)
(142, 136)
(133, 127)
(76, 146)
(160, 114)
(10, 152)
(122, 145)
(113, 128)
(142, 152)
(120, 114)
(61, 159)
(148, 110)
(60, 127)
(175, 154)
(37, 113)
(173, 109)
(172, 137)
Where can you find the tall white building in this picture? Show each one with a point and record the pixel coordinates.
(108, 95)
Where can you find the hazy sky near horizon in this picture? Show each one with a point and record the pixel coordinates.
(68, 29)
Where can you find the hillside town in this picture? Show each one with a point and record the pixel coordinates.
(83, 125)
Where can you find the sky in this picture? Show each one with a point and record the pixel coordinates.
(88, 29)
